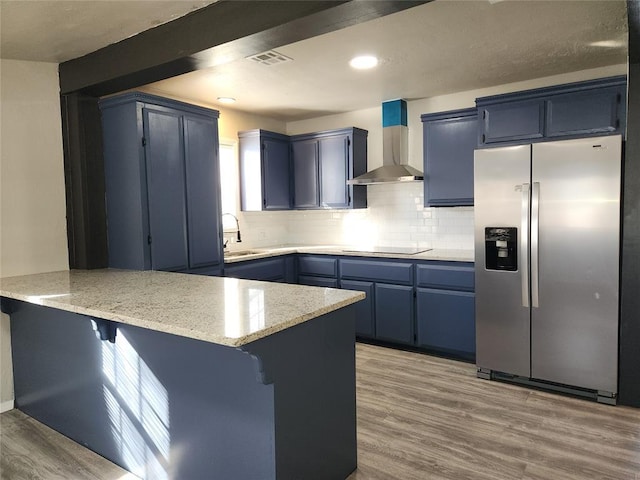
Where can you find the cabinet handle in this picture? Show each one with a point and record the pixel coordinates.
(524, 243)
(535, 253)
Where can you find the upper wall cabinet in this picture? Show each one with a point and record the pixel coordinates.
(162, 184)
(306, 181)
(323, 162)
(308, 171)
(264, 171)
(449, 141)
(596, 107)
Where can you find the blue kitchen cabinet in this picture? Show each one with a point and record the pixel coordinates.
(165, 189)
(591, 112)
(304, 161)
(343, 156)
(512, 121)
(446, 321)
(365, 318)
(265, 166)
(317, 281)
(322, 163)
(449, 140)
(595, 107)
(267, 269)
(162, 184)
(318, 270)
(445, 308)
(393, 301)
(394, 313)
(204, 227)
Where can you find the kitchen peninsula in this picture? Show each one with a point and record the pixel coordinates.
(178, 376)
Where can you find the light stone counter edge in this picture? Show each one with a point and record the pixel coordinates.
(218, 310)
(444, 255)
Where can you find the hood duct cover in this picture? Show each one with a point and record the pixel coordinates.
(395, 164)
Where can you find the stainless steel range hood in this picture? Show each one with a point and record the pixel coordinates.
(395, 159)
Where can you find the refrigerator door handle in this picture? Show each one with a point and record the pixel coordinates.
(535, 212)
(524, 244)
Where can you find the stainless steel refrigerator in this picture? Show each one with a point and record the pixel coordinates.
(547, 234)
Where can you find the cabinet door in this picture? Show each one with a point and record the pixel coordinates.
(448, 160)
(513, 121)
(365, 321)
(584, 113)
(275, 170)
(203, 196)
(446, 321)
(305, 174)
(394, 313)
(164, 152)
(334, 164)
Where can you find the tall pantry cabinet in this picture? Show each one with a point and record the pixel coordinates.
(162, 185)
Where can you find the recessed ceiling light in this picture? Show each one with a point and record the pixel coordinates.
(363, 62)
(227, 100)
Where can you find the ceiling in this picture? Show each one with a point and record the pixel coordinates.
(60, 30)
(441, 47)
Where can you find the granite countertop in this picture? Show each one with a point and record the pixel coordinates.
(449, 255)
(226, 311)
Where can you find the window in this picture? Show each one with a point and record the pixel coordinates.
(228, 184)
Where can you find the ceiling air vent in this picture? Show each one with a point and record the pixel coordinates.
(270, 57)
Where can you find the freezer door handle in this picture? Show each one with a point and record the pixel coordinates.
(535, 222)
(524, 244)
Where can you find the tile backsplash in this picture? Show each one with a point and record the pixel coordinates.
(395, 217)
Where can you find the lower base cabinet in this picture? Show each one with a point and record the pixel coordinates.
(365, 321)
(280, 269)
(446, 321)
(318, 271)
(428, 305)
(394, 313)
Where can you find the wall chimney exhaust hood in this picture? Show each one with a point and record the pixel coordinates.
(395, 158)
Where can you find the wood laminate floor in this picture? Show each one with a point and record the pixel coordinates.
(419, 417)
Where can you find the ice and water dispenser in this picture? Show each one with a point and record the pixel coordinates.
(501, 248)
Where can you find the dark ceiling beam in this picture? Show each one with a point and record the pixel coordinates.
(221, 32)
(630, 279)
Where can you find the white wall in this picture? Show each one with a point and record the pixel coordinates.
(33, 234)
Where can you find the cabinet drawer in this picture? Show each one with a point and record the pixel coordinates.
(392, 272)
(317, 265)
(318, 281)
(458, 277)
(273, 269)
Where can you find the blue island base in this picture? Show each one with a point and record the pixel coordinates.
(170, 407)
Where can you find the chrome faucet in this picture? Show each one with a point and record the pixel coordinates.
(238, 237)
